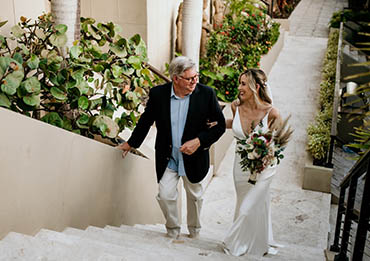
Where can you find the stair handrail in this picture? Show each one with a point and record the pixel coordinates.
(350, 181)
(357, 170)
(158, 72)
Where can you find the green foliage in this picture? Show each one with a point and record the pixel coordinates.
(319, 131)
(238, 43)
(348, 15)
(79, 90)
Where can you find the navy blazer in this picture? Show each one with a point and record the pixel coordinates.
(203, 107)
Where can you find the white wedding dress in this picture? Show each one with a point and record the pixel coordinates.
(251, 232)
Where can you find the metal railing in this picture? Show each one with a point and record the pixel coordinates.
(346, 209)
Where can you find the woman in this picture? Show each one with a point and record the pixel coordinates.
(251, 232)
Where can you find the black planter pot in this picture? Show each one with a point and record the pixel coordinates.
(319, 162)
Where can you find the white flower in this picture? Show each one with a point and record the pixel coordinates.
(244, 14)
(256, 155)
(274, 161)
(262, 138)
(251, 155)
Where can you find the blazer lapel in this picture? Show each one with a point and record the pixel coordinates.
(192, 109)
(167, 108)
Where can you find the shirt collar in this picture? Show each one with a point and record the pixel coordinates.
(173, 95)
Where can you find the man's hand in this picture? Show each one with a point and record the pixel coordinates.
(190, 146)
(125, 147)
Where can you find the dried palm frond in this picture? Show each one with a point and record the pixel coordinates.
(282, 132)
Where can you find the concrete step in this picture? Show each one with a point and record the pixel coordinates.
(131, 248)
(288, 251)
(129, 243)
(17, 246)
(201, 243)
(97, 250)
(158, 244)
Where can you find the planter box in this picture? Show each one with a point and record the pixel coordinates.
(52, 178)
(316, 178)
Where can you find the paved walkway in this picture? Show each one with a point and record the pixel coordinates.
(299, 217)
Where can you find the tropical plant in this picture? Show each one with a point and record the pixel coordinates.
(80, 91)
(348, 15)
(284, 8)
(362, 134)
(238, 43)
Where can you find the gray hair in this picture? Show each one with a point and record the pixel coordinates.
(179, 65)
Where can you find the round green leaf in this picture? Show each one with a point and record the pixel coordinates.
(117, 71)
(58, 94)
(32, 85)
(61, 28)
(33, 62)
(98, 68)
(33, 100)
(107, 126)
(134, 60)
(40, 33)
(83, 102)
(12, 82)
(4, 101)
(83, 119)
(76, 50)
(128, 70)
(83, 86)
(119, 51)
(4, 64)
(17, 31)
(53, 118)
(18, 57)
(58, 40)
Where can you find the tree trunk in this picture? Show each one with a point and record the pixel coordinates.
(67, 12)
(192, 13)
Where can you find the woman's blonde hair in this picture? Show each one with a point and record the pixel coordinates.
(256, 76)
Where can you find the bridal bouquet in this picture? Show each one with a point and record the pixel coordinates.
(260, 150)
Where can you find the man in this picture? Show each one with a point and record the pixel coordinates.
(182, 111)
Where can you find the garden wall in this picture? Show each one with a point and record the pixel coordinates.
(52, 178)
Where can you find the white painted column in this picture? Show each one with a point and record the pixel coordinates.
(192, 28)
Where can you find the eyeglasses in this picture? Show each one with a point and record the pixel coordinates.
(190, 79)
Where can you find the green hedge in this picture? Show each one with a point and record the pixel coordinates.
(319, 131)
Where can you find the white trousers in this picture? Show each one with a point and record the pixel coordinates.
(167, 199)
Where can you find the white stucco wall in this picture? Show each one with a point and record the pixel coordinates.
(162, 16)
(52, 178)
(154, 20)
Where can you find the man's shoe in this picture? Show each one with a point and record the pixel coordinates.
(174, 234)
(194, 235)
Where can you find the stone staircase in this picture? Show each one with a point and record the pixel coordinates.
(300, 223)
(140, 242)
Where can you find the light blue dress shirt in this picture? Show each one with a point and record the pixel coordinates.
(179, 112)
